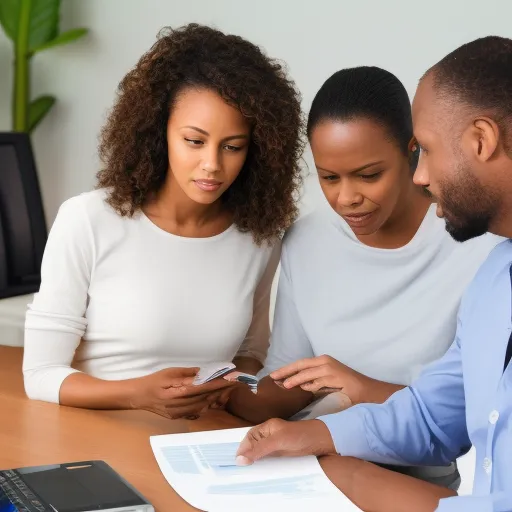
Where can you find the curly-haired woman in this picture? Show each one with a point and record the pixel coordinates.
(168, 265)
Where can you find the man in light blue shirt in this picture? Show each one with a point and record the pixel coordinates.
(462, 115)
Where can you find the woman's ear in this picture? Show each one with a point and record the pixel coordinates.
(414, 154)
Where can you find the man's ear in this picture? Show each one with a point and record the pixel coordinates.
(481, 139)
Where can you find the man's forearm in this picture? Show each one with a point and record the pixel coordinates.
(375, 489)
(271, 401)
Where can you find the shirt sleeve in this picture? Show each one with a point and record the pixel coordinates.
(421, 425)
(257, 339)
(494, 502)
(55, 320)
(288, 342)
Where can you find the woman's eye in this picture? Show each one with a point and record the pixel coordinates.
(229, 147)
(370, 177)
(194, 142)
(332, 177)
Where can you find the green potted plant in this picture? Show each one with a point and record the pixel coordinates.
(33, 27)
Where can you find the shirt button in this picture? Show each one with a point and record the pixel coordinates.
(487, 465)
(493, 417)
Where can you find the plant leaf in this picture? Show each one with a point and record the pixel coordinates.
(63, 38)
(9, 17)
(44, 22)
(38, 109)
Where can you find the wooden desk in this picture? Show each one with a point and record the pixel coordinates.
(34, 433)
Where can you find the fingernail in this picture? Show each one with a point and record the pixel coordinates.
(242, 461)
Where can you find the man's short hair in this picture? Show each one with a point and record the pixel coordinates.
(479, 75)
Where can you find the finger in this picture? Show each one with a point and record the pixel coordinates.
(225, 396)
(190, 391)
(297, 366)
(175, 413)
(185, 402)
(259, 442)
(213, 397)
(213, 400)
(218, 384)
(209, 387)
(318, 386)
(304, 376)
(222, 399)
(179, 377)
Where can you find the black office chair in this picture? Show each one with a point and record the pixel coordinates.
(23, 231)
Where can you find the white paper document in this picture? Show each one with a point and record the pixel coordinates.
(201, 468)
(227, 371)
(211, 371)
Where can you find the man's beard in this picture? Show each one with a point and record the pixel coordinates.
(468, 207)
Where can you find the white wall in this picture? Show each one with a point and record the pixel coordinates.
(315, 38)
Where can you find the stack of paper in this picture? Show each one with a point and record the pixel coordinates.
(202, 470)
(211, 371)
(227, 371)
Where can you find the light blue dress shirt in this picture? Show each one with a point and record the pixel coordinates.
(463, 399)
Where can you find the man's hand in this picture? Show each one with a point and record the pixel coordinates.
(284, 438)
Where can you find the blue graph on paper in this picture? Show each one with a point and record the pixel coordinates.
(290, 487)
(219, 459)
(200, 459)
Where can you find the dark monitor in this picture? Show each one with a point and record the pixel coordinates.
(23, 230)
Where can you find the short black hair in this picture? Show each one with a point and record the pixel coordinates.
(365, 92)
(479, 74)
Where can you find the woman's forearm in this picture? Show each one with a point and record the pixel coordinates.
(271, 401)
(377, 392)
(82, 390)
(249, 365)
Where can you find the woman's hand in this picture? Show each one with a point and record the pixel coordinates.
(322, 375)
(171, 393)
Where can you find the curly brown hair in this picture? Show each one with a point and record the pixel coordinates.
(133, 143)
